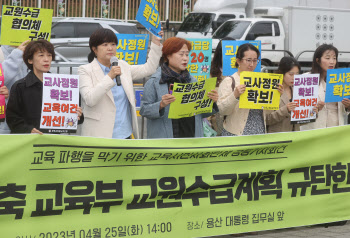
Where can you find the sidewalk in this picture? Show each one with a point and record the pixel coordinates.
(319, 232)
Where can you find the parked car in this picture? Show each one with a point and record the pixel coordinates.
(71, 36)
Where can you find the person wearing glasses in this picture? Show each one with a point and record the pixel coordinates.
(240, 121)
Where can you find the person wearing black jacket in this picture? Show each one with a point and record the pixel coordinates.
(25, 102)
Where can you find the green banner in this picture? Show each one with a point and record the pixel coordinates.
(192, 98)
(57, 186)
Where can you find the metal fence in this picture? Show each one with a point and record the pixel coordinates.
(174, 10)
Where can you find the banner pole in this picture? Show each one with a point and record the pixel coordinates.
(126, 10)
(84, 8)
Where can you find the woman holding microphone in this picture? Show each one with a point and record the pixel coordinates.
(110, 110)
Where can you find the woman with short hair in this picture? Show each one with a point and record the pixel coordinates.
(156, 98)
(109, 109)
(25, 103)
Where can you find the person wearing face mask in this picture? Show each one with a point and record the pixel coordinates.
(109, 109)
(241, 121)
(333, 113)
(156, 97)
(25, 102)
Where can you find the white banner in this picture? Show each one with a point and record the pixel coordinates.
(60, 103)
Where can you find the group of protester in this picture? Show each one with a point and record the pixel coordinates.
(109, 110)
(232, 120)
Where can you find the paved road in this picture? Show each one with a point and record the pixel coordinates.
(313, 232)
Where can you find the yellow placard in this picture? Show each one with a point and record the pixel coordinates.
(261, 91)
(25, 23)
(192, 99)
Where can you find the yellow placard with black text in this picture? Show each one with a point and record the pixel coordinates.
(261, 90)
(19, 24)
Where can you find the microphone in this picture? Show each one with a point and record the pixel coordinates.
(114, 62)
